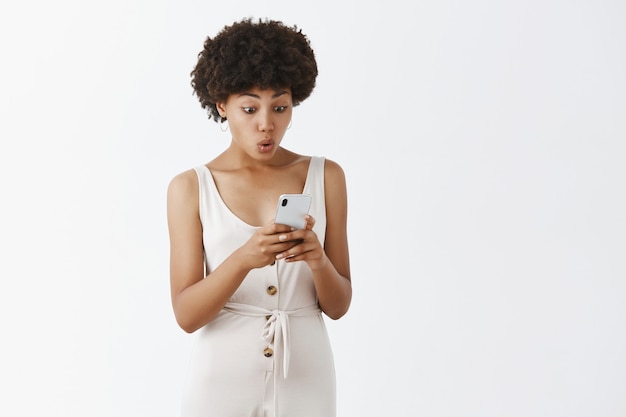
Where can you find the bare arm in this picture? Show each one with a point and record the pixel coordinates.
(196, 300)
(330, 264)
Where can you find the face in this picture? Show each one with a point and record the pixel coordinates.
(258, 119)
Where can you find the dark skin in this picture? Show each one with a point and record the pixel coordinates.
(250, 175)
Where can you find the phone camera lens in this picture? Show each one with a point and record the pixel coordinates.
(284, 203)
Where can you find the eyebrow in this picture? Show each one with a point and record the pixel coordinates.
(278, 94)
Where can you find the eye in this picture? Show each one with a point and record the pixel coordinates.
(248, 110)
(280, 109)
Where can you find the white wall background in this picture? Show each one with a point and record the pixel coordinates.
(483, 144)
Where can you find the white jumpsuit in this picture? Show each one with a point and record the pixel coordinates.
(267, 353)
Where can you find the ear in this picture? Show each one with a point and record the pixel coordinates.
(221, 108)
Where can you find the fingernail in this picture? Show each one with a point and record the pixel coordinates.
(279, 256)
(282, 237)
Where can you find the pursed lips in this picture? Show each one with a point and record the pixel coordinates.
(266, 144)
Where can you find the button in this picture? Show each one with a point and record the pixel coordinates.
(268, 352)
(271, 290)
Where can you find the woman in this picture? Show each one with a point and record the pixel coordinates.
(254, 291)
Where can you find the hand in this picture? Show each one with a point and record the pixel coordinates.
(307, 246)
(265, 244)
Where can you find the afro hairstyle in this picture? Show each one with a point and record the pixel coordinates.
(264, 54)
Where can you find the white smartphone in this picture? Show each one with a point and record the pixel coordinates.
(291, 210)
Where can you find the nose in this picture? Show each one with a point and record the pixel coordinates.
(266, 123)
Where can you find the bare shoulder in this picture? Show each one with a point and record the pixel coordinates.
(335, 186)
(183, 186)
(334, 173)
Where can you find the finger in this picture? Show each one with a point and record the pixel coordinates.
(290, 237)
(271, 228)
(283, 255)
(301, 256)
(275, 228)
(310, 222)
(283, 247)
(296, 251)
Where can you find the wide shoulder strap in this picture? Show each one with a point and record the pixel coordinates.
(315, 186)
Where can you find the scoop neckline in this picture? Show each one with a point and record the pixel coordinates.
(231, 213)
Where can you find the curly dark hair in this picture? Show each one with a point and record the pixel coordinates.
(246, 54)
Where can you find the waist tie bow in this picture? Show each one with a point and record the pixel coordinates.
(276, 329)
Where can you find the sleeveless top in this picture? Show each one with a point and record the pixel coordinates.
(223, 232)
(258, 321)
